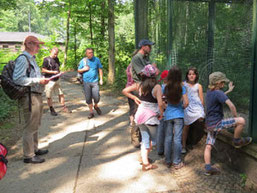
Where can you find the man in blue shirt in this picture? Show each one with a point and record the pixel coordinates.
(90, 67)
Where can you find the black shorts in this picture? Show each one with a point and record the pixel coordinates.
(132, 105)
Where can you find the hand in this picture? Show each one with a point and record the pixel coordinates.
(43, 81)
(137, 101)
(55, 72)
(164, 104)
(101, 82)
(86, 68)
(157, 72)
(160, 117)
(230, 86)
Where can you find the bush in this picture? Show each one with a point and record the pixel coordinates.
(6, 106)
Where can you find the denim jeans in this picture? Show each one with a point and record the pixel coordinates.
(174, 127)
(148, 133)
(161, 136)
(91, 91)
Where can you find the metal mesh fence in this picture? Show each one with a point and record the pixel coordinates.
(212, 35)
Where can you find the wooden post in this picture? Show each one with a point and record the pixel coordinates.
(253, 101)
(169, 11)
(141, 22)
(211, 28)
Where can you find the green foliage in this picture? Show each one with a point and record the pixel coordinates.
(10, 4)
(5, 56)
(243, 179)
(6, 106)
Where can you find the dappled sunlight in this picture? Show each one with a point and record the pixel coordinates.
(122, 174)
(51, 164)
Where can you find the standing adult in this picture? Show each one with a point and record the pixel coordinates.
(32, 116)
(51, 67)
(141, 59)
(90, 67)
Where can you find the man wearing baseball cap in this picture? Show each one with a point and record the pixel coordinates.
(215, 98)
(32, 117)
(141, 58)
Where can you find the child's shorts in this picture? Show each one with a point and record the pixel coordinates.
(213, 132)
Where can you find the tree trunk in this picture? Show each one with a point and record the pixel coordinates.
(75, 43)
(90, 23)
(103, 20)
(111, 36)
(67, 35)
(141, 21)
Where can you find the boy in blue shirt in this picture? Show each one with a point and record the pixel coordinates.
(215, 98)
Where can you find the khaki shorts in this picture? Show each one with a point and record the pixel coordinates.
(53, 86)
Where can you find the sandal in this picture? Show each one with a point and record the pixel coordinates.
(148, 167)
(149, 160)
(178, 166)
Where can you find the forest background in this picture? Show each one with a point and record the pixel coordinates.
(109, 27)
(78, 23)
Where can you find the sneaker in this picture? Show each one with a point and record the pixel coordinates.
(161, 154)
(98, 110)
(168, 165)
(243, 142)
(34, 160)
(178, 166)
(41, 152)
(53, 113)
(212, 171)
(183, 150)
(90, 116)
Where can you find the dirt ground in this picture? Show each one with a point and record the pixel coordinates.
(188, 179)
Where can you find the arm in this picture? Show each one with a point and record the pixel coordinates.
(185, 101)
(20, 74)
(101, 75)
(44, 70)
(230, 87)
(127, 92)
(231, 107)
(201, 94)
(158, 94)
(82, 68)
(184, 97)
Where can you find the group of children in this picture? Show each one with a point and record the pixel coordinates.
(166, 111)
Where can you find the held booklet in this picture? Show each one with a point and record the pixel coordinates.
(56, 76)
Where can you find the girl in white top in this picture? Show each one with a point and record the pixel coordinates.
(195, 109)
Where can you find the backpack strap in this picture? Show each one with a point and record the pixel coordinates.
(28, 75)
(3, 159)
(85, 60)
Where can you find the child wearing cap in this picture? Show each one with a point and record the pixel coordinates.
(215, 98)
(161, 126)
(149, 111)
